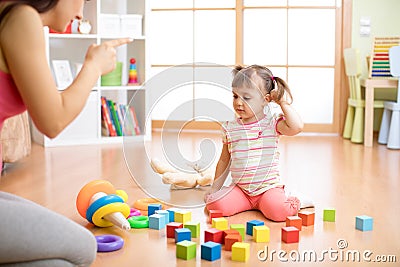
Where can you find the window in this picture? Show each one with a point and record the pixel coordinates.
(296, 39)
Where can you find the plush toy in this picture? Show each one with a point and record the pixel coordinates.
(181, 180)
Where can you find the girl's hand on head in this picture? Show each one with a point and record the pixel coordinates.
(102, 57)
(278, 97)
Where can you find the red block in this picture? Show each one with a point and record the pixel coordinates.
(290, 234)
(307, 217)
(295, 221)
(214, 235)
(232, 239)
(171, 228)
(214, 214)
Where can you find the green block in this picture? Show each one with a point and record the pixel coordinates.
(240, 228)
(193, 227)
(186, 250)
(329, 215)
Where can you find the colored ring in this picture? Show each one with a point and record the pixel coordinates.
(139, 221)
(87, 192)
(134, 212)
(122, 194)
(143, 203)
(100, 203)
(107, 243)
(107, 209)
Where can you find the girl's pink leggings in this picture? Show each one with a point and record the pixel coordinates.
(273, 203)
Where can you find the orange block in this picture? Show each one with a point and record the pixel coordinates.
(230, 232)
(307, 217)
(232, 239)
(295, 221)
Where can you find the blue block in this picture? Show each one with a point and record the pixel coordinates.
(251, 224)
(211, 251)
(152, 209)
(157, 221)
(364, 223)
(165, 214)
(171, 212)
(182, 234)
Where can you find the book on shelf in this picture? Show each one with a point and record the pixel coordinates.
(106, 117)
(135, 120)
(118, 119)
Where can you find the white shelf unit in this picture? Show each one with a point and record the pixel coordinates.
(87, 127)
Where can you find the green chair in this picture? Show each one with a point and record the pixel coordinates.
(354, 124)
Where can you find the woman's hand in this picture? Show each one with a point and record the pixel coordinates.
(102, 57)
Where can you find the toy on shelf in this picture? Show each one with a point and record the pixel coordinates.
(100, 204)
(133, 79)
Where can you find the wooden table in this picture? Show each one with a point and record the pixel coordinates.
(370, 84)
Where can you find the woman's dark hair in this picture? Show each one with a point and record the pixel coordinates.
(40, 5)
(260, 77)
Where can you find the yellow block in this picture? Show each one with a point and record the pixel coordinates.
(183, 216)
(240, 251)
(261, 233)
(220, 223)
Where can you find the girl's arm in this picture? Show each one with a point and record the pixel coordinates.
(222, 169)
(292, 124)
(24, 50)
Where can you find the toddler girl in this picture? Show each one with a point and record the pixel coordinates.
(249, 149)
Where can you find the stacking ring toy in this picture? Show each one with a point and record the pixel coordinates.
(143, 203)
(134, 212)
(108, 243)
(139, 221)
(102, 205)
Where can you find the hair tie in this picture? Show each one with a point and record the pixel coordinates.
(273, 78)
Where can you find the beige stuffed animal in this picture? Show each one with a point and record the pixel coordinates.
(181, 180)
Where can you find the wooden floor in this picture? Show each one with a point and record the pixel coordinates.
(351, 178)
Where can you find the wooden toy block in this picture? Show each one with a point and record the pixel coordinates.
(186, 250)
(211, 251)
(364, 223)
(240, 228)
(194, 228)
(290, 234)
(151, 209)
(307, 217)
(232, 239)
(183, 216)
(171, 229)
(171, 212)
(165, 214)
(214, 214)
(220, 223)
(229, 232)
(329, 215)
(182, 234)
(295, 221)
(251, 224)
(156, 221)
(261, 233)
(214, 235)
(240, 251)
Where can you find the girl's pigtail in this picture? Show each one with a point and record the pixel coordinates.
(281, 88)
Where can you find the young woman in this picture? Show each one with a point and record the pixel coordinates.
(30, 234)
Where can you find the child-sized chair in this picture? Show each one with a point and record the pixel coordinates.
(390, 127)
(354, 124)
